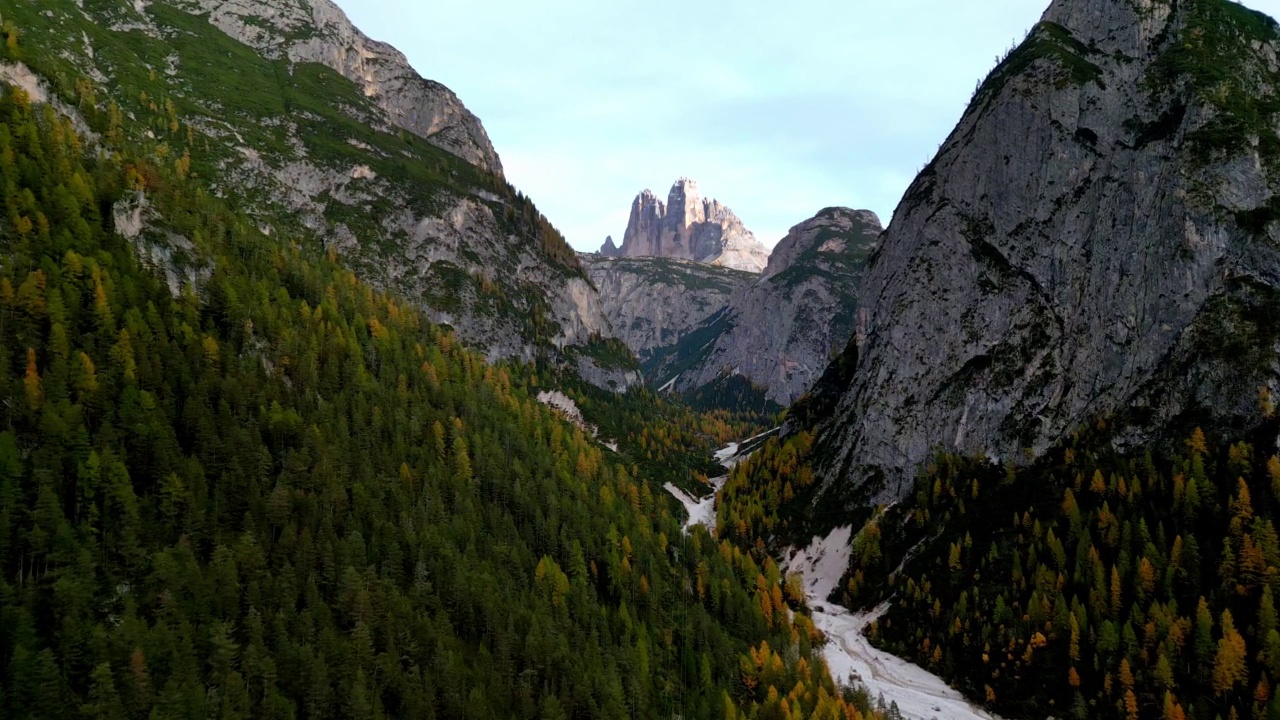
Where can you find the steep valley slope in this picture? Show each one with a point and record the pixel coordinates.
(313, 127)
(1053, 439)
(1120, 260)
(781, 331)
(239, 480)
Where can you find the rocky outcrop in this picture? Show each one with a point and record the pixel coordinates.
(318, 31)
(780, 331)
(688, 227)
(1098, 238)
(831, 234)
(610, 250)
(652, 303)
(450, 259)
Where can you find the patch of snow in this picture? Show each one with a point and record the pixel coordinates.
(911, 555)
(727, 453)
(701, 512)
(670, 382)
(850, 657)
(764, 434)
(559, 401)
(729, 456)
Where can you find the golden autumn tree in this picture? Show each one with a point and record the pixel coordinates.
(31, 382)
(1229, 667)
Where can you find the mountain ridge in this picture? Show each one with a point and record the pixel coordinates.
(309, 149)
(320, 31)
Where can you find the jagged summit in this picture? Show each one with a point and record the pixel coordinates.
(609, 249)
(1096, 238)
(688, 227)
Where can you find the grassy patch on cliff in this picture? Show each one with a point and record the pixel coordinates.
(1215, 56)
(1047, 41)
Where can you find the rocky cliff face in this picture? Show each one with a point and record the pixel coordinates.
(1097, 238)
(780, 331)
(332, 138)
(652, 303)
(318, 31)
(688, 227)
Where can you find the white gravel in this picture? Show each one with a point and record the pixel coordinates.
(701, 512)
(919, 694)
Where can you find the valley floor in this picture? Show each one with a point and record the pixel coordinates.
(850, 656)
(701, 512)
(919, 694)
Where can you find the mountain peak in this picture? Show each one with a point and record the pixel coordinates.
(689, 227)
(833, 231)
(319, 31)
(609, 249)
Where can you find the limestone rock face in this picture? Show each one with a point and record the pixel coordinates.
(687, 227)
(609, 249)
(319, 31)
(652, 303)
(780, 331)
(1098, 238)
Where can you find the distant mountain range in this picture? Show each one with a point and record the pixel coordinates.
(679, 294)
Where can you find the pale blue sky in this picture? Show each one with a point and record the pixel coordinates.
(777, 109)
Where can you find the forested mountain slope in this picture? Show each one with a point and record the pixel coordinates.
(308, 125)
(238, 480)
(1093, 584)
